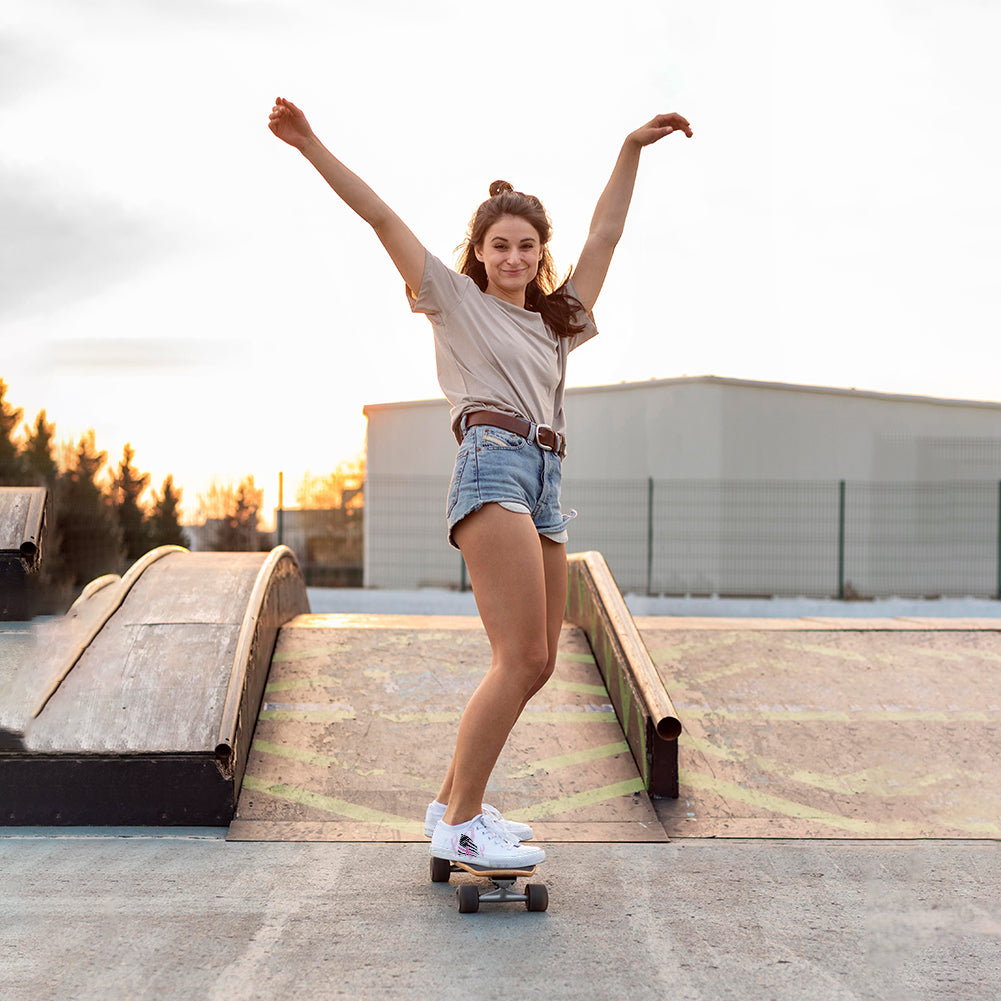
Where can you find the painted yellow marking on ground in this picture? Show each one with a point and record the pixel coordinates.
(882, 782)
(800, 811)
(767, 662)
(294, 753)
(789, 808)
(320, 681)
(429, 717)
(283, 656)
(705, 641)
(575, 802)
(580, 658)
(575, 758)
(736, 667)
(529, 717)
(576, 686)
(338, 807)
(310, 757)
(821, 651)
(308, 716)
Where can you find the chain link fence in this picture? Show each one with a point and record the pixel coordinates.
(729, 537)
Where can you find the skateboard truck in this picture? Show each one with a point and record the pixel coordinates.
(469, 896)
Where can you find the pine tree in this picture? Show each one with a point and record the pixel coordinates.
(163, 524)
(11, 468)
(235, 512)
(36, 453)
(91, 536)
(126, 489)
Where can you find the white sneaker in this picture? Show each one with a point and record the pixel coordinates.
(481, 844)
(516, 831)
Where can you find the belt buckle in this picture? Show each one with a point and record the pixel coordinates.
(545, 448)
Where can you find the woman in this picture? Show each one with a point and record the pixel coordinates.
(502, 335)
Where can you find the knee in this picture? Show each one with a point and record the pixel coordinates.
(544, 673)
(531, 669)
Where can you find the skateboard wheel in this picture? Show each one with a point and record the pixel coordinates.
(441, 870)
(469, 898)
(537, 897)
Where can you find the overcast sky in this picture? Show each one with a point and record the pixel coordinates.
(172, 275)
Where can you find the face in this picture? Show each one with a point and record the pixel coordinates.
(510, 252)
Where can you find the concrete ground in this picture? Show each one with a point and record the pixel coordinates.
(188, 916)
(183, 914)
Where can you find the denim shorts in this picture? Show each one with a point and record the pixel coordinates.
(498, 466)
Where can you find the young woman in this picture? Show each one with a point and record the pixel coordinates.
(503, 330)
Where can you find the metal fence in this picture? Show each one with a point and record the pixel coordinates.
(729, 537)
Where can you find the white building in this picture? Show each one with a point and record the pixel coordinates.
(714, 485)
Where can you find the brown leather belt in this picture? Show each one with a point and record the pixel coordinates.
(545, 437)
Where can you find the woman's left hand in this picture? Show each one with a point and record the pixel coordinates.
(657, 128)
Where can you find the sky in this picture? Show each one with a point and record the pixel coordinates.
(173, 276)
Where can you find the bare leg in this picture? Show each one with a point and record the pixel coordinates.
(505, 561)
(554, 563)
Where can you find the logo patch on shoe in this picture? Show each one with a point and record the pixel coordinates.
(467, 846)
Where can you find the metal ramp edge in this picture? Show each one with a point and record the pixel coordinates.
(649, 719)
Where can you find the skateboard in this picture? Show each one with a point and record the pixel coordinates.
(469, 896)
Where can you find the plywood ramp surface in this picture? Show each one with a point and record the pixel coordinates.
(359, 721)
(836, 729)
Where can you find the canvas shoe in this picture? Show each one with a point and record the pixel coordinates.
(482, 843)
(516, 831)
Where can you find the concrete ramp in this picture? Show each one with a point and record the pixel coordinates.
(833, 728)
(138, 706)
(358, 724)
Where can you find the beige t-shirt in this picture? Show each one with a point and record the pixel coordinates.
(492, 355)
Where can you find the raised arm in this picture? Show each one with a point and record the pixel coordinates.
(610, 214)
(290, 125)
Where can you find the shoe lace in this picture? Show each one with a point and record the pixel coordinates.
(496, 831)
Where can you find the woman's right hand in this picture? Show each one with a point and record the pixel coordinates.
(289, 124)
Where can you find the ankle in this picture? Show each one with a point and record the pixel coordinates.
(456, 818)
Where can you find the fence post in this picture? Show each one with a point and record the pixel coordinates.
(841, 540)
(999, 541)
(649, 536)
(462, 573)
(281, 506)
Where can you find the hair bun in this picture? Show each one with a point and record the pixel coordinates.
(500, 188)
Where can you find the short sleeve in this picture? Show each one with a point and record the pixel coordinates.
(580, 316)
(441, 290)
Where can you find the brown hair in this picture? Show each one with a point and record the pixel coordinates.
(545, 294)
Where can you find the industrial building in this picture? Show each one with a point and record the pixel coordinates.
(709, 485)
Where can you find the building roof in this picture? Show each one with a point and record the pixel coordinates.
(718, 380)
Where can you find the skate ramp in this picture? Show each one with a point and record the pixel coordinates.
(827, 728)
(358, 725)
(138, 706)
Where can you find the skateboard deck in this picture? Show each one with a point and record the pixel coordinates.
(469, 896)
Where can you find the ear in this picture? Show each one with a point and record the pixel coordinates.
(479, 256)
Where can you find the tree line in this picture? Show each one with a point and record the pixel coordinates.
(97, 520)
